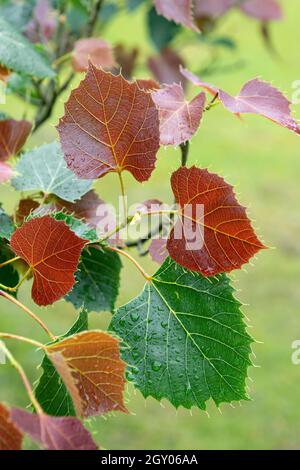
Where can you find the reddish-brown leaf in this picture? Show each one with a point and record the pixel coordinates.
(92, 370)
(10, 436)
(4, 73)
(147, 85)
(6, 172)
(26, 206)
(126, 59)
(98, 51)
(179, 11)
(90, 208)
(265, 10)
(13, 135)
(179, 119)
(54, 433)
(218, 238)
(165, 67)
(110, 125)
(52, 251)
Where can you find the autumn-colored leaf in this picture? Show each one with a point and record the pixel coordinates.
(179, 11)
(98, 51)
(54, 433)
(10, 436)
(126, 59)
(52, 251)
(110, 125)
(179, 119)
(13, 135)
(4, 73)
(6, 172)
(211, 8)
(26, 206)
(265, 10)
(255, 97)
(165, 67)
(90, 208)
(90, 366)
(214, 234)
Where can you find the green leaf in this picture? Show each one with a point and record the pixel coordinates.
(161, 30)
(44, 169)
(6, 225)
(185, 339)
(8, 275)
(98, 280)
(51, 391)
(19, 55)
(81, 229)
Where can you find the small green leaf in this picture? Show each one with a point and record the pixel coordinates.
(185, 339)
(161, 30)
(45, 169)
(6, 225)
(51, 391)
(19, 55)
(98, 280)
(8, 275)
(81, 229)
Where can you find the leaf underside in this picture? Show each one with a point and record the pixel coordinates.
(185, 339)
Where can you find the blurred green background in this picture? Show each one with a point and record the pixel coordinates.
(262, 161)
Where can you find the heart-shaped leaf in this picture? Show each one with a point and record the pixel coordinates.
(214, 234)
(110, 125)
(52, 251)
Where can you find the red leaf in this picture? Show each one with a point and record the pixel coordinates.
(52, 250)
(90, 208)
(98, 51)
(26, 206)
(219, 238)
(265, 10)
(6, 172)
(179, 11)
(109, 125)
(10, 437)
(158, 250)
(165, 67)
(54, 433)
(92, 370)
(13, 135)
(255, 97)
(211, 8)
(179, 119)
(4, 74)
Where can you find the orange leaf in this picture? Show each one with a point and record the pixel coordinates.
(52, 251)
(90, 366)
(10, 437)
(109, 125)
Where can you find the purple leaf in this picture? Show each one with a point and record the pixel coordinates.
(265, 10)
(158, 250)
(179, 119)
(179, 11)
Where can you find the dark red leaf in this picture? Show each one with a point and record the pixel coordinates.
(179, 11)
(165, 67)
(52, 250)
(265, 10)
(10, 436)
(92, 370)
(13, 135)
(110, 125)
(98, 51)
(26, 206)
(54, 433)
(218, 238)
(179, 119)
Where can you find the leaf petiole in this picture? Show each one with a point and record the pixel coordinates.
(14, 289)
(12, 260)
(134, 261)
